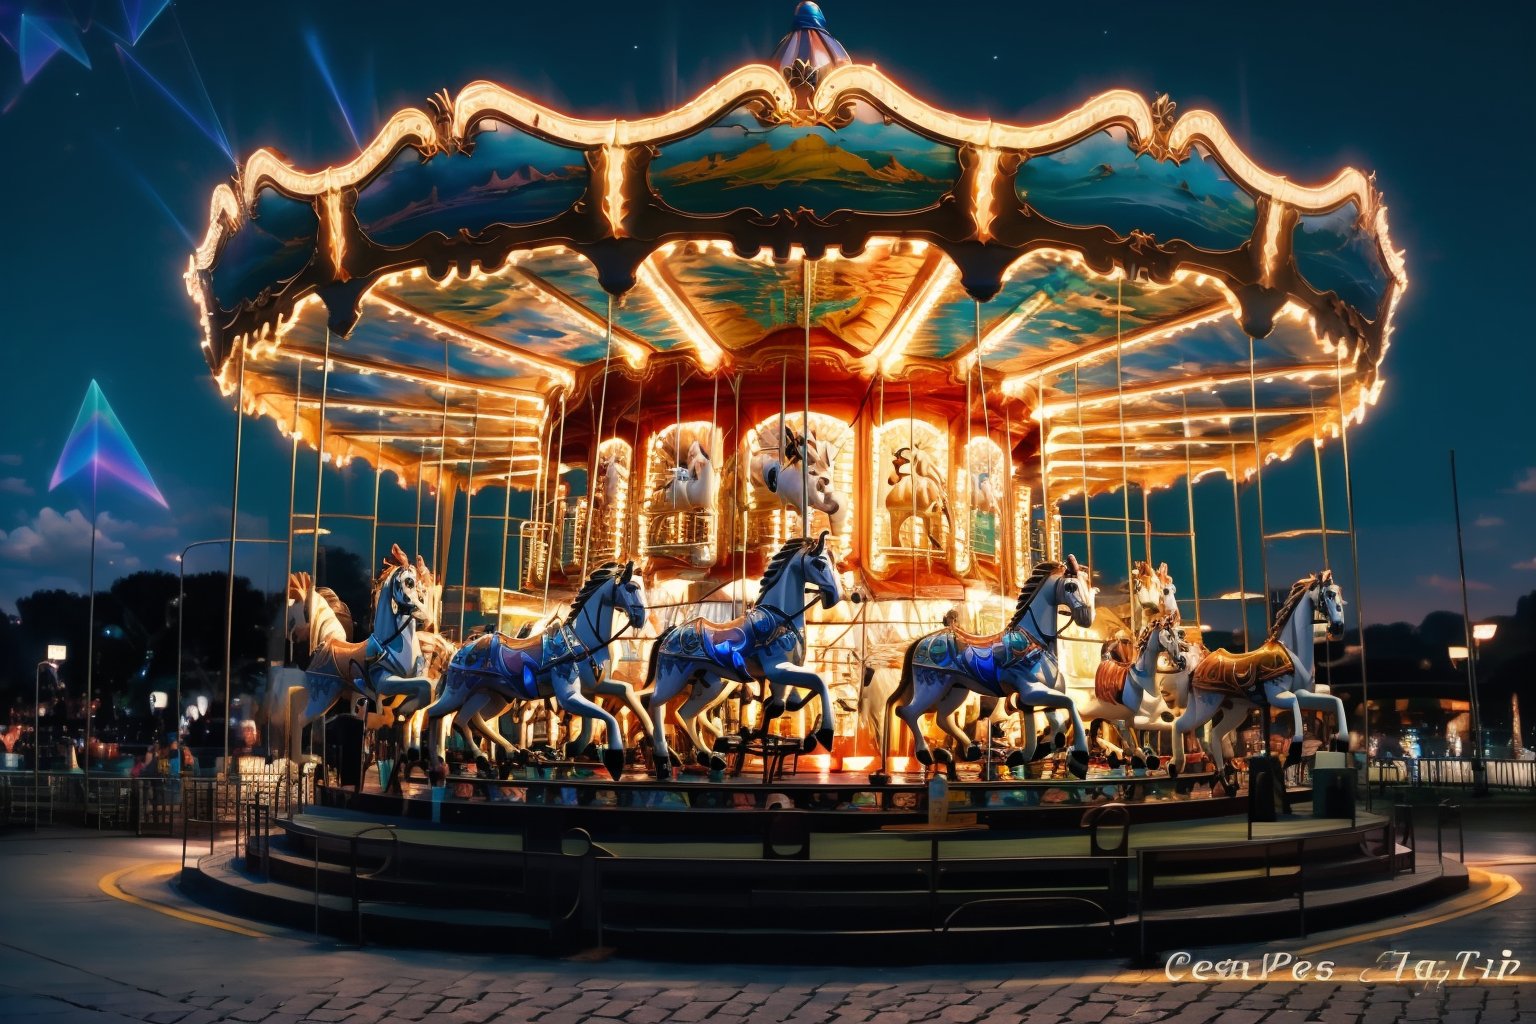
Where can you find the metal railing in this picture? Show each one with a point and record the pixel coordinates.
(1456, 772)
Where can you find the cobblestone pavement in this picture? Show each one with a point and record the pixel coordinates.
(70, 953)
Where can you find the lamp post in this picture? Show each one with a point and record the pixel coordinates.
(1479, 768)
(56, 654)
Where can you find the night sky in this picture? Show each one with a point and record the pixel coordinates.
(107, 172)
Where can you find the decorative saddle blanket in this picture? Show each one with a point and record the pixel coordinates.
(338, 660)
(1242, 675)
(759, 634)
(985, 659)
(519, 661)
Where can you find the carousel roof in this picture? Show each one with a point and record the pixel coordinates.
(1126, 272)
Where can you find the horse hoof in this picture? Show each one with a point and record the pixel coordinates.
(1060, 740)
(518, 758)
(1016, 759)
(1077, 764)
(925, 758)
(1154, 763)
(1293, 756)
(715, 763)
(972, 753)
(1339, 745)
(824, 737)
(663, 770)
(807, 744)
(1137, 762)
(702, 759)
(773, 708)
(673, 760)
(943, 756)
(613, 760)
(1114, 762)
(1173, 771)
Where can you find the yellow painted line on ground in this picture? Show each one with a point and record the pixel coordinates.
(1499, 888)
(159, 870)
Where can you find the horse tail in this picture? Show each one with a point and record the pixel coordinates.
(650, 670)
(903, 689)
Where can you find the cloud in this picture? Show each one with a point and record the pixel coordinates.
(1527, 483)
(1487, 522)
(1529, 565)
(1449, 585)
(9, 459)
(53, 537)
(15, 485)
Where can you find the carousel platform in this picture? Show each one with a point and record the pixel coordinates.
(786, 884)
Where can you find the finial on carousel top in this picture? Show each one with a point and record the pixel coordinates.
(808, 50)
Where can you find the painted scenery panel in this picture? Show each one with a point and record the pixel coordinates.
(1334, 254)
(511, 178)
(272, 246)
(868, 165)
(1101, 181)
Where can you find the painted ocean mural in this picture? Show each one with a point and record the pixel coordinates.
(511, 178)
(273, 245)
(1333, 254)
(1100, 181)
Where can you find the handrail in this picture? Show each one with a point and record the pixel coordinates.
(357, 909)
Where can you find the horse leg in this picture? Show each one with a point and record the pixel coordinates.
(1196, 714)
(1326, 702)
(1077, 761)
(707, 692)
(966, 748)
(566, 684)
(782, 676)
(925, 694)
(449, 703)
(670, 680)
(1286, 700)
(626, 693)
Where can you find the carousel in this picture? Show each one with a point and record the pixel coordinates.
(808, 439)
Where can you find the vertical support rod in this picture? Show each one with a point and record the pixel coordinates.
(229, 594)
(597, 442)
(1354, 554)
(1258, 479)
(469, 501)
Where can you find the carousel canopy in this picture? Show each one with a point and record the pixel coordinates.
(1146, 290)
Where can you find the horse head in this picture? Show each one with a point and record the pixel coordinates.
(1170, 641)
(1331, 602)
(1074, 592)
(821, 572)
(629, 596)
(400, 589)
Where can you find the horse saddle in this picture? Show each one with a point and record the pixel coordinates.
(984, 659)
(727, 645)
(1109, 681)
(1242, 675)
(343, 659)
(517, 660)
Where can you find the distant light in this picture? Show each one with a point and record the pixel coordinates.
(158, 700)
(1484, 630)
(1457, 652)
(57, 652)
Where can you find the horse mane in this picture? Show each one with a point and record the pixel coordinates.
(776, 565)
(1288, 609)
(379, 583)
(602, 574)
(1027, 593)
(338, 607)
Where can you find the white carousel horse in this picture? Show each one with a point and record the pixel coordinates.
(767, 643)
(550, 663)
(692, 486)
(612, 474)
(1125, 688)
(916, 491)
(386, 666)
(984, 495)
(942, 667)
(804, 461)
(1221, 687)
(1152, 591)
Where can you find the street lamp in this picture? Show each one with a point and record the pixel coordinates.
(56, 654)
(1480, 632)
